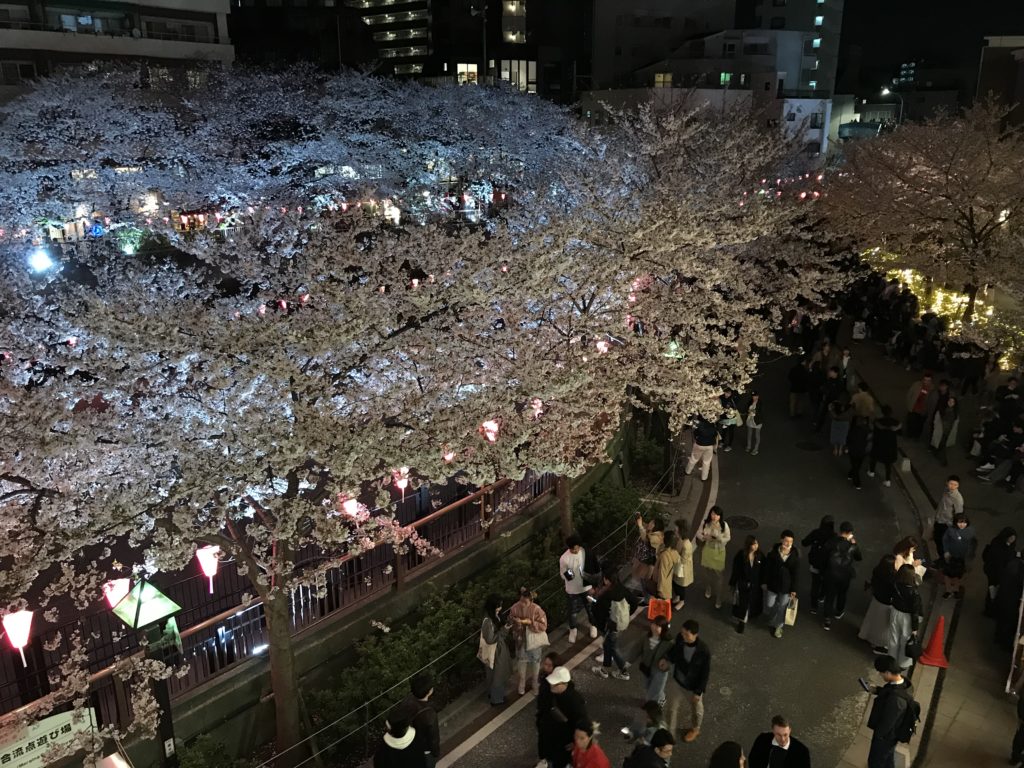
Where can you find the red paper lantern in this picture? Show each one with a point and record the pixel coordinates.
(18, 626)
(208, 561)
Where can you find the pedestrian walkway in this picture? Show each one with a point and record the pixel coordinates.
(809, 675)
(974, 721)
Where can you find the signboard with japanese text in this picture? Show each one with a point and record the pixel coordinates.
(30, 747)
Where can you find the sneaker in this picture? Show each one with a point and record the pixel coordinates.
(840, 615)
(593, 632)
(707, 593)
(678, 605)
(572, 636)
(599, 658)
(887, 483)
(748, 449)
(753, 452)
(827, 625)
(691, 735)
(814, 609)
(620, 674)
(777, 632)
(727, 448)
(521, 689)
(718, 604)
(856, 487)
(988, 466)
(880, 650)
(600, 672)
(871, 474)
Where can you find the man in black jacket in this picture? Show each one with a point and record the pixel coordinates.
(653, 755)
(567, 708)
(420, 713)
(891, 703)
(781, 571)
(692, 659)
(778, 749)
(840, 555)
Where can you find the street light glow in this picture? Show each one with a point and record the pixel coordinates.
(39, 260)
(886, 91)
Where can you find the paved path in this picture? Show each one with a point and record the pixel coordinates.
(809, 675)
(974, 722)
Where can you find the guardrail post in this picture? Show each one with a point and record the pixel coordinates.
(400, 570)
(486, 513)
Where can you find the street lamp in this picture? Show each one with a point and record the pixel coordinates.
(39, 260)
(887, 92)
(146, 609)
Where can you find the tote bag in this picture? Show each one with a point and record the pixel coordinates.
(535, 640)
(791, 610)
(486, 652)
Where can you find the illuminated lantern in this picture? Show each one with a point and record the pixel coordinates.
(603, 346)
(350, 507)
(17, 626)
(489, 429)
(261, 310)
(401, 477)
(538, 407)
(448, 455)
(208, 561)
(115, 590)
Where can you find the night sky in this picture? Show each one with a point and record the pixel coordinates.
(947, 34)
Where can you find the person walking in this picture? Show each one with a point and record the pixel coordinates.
(799, 380)
(745, 581)
(705, 439)
(840, 555)
(653, 755)
(944, 429)
(887, 713)
(950, 503)
(863, 403)
(884, 444)
(494, 633)
(398, 747)
(691, 658)
(778, 748)
(781, 575)
(655, 660)
(857, 448)
(568, 709)
(875, 627)
(839, 427)
(611, 615)
(570, 567)
(530, 633)
(815, 542)
(959, 544)
(665, 567)
(550, 747)
(995, 557)
(917, 405)
(683, 575)
(586, 752)
(753, 418)
(905, 616)
(417, 710)
(714, 534)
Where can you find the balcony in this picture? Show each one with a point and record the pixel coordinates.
(38, 37)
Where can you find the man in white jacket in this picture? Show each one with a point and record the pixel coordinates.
(570, 566)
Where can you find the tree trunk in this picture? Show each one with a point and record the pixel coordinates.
(972, 295)
(563, 490)
(283, 679)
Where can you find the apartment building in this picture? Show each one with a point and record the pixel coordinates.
(37, 36)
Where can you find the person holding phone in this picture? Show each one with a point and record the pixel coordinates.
(570, 566)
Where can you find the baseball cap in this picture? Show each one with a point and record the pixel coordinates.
(559, 675)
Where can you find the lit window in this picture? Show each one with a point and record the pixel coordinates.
(816, 43)
(819, 20)
(520, 73)
(466, 73)
(662, 79)
(725, 78)
(812, 84)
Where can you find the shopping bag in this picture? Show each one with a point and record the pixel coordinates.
(656, 608)
(791, 610)
(535, 640)
(486, 652)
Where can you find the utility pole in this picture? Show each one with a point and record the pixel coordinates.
(479, 8)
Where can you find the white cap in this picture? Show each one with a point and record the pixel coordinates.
(559, 675)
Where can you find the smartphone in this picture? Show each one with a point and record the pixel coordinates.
(864, 684)
(591, 598)
(569, 575)
(626, 732)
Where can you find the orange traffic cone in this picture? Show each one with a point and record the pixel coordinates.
(934, 656)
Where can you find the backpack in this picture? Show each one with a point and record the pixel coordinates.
(907, 726)
(816, 556)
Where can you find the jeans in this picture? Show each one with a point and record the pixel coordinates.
(575, 604)
(775, 607)
(835, 597)
(611, 650)
(656, 685)
(882, 753)
(753, 438)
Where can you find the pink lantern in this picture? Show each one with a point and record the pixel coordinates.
(208, 561)
(489, 429)
(350, 507)
(17, 626)
(401, 476)
(538, 407)
(115, 590)
(448, 455)
(603, 346)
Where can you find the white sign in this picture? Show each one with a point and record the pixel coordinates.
(31, 745)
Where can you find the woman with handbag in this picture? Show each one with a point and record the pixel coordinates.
(752, 417)
(714, 534)
(746, 583)
(494, 651)
(683, 576)
(530, 632)
(654, 661)
(904, 618)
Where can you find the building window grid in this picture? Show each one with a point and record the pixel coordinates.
(662, 79)
(520, 73)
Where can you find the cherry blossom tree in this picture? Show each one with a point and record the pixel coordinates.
(244, 382)
(944, 197)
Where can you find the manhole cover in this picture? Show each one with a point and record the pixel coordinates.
(810, 445)
(742, 523)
